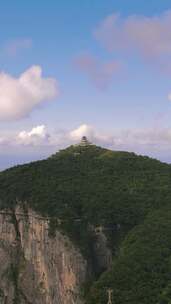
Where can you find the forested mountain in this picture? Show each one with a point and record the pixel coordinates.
(125, 195)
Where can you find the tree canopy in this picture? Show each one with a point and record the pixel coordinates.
(92, 186)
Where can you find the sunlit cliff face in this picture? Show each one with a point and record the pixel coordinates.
(35, 268)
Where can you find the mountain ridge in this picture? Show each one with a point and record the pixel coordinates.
(89, 186)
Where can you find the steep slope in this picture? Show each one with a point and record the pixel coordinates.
(35, 268)
(141, 271)
(97, 198)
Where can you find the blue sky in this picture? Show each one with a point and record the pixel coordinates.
(109, 84)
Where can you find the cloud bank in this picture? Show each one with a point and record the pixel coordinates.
(40, 142)
(19, 96)
(40, 135)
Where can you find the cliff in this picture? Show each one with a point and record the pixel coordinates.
(35, 268)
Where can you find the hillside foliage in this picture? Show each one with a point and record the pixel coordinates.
(130, 195)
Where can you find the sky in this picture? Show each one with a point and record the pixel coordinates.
(96, 68)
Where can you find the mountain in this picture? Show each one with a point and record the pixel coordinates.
(106, 219)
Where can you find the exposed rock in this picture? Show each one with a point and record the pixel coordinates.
(35, 268)
(102, 253)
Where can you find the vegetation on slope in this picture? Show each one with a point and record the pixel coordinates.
(91, 186)
(142, 271)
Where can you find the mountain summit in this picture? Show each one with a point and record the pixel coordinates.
(91, 194)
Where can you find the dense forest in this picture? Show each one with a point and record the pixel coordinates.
(128, 194)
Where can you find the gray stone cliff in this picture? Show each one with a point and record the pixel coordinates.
(35, 268)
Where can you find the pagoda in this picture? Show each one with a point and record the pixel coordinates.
(84, 142)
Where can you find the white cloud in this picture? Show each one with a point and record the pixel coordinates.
(40, 135)
(92, 134)
(40, 142)
(83, 130)
(36, 136)
(19, 96)
(129, 139)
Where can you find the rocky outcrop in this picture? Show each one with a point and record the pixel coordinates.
(35, 268)
(102, 253)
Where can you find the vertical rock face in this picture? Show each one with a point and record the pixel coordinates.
(35, 268)
(102, 253)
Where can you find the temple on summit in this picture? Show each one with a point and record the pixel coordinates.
(84, 142)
